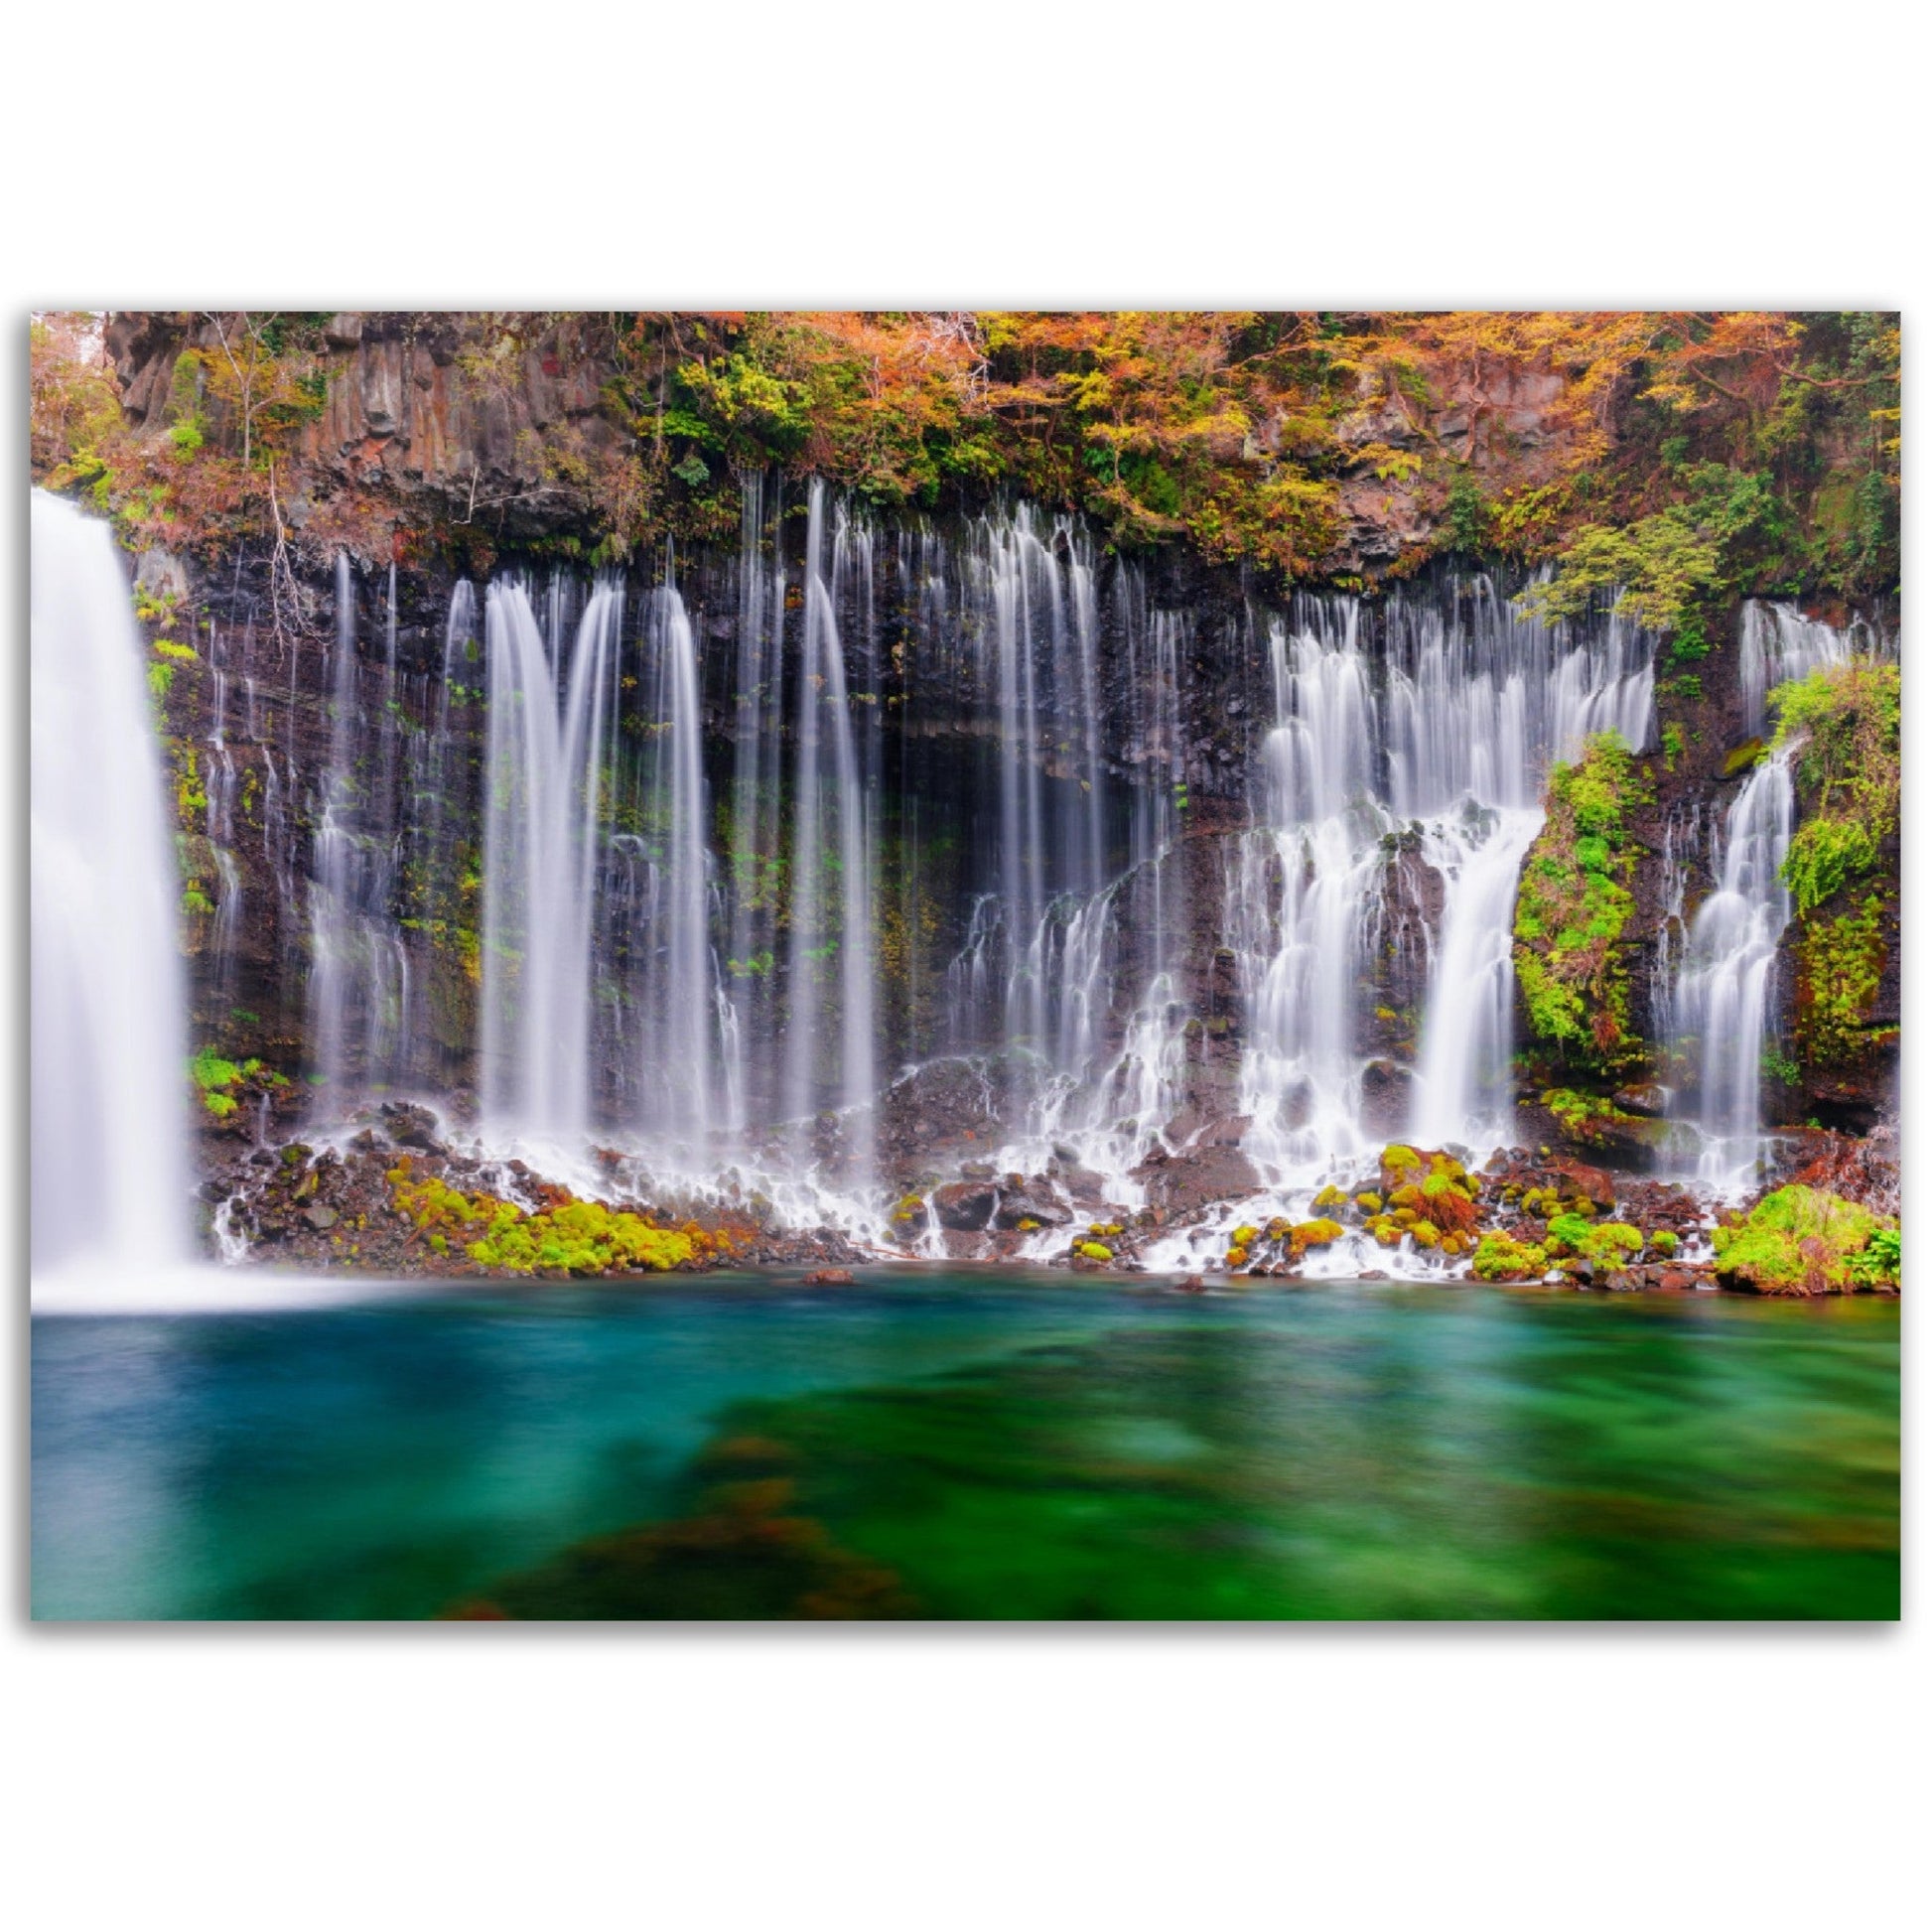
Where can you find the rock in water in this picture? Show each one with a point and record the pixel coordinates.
(1189, 1181)
(1033, 1202)
(965, 1206)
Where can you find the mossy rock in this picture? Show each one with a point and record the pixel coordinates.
(1498, 1258)
(1312, 1234)
(1801, 1241)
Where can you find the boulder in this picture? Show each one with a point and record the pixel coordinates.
(1032, 1202)
(965, 1206)
(1388, 1095)
(1186, 1181)
(412, 1126)
(1648, 1099)
(909, 1217)
(1595, 1184)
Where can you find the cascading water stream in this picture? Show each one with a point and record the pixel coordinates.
(689, 1049)
(830, 835)
(541, 848)
(110, 1180)
(1718, 970)
(1777, 643)
(1725, 996)
(360, 975)
(1441, 771)
(709, 895)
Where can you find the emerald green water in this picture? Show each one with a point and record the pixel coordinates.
(967, 1445)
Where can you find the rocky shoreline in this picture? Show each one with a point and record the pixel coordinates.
(403, 1195)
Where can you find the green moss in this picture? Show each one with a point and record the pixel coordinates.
(573, 1236)
(209, 1071)
(1599, 1242)
(1094, 1251)
(1841, 727)
(582, 1238)
(1801, 1241)
(1500, 1259)
(1573, 905)
(1663, 1242)
(220, 1105)
(1825, 856)
(1305, 1235)
(1840, 965)
(1592, 1118)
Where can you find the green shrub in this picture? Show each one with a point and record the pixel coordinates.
(1878, 1265)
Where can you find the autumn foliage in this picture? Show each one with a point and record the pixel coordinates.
(1686, 456)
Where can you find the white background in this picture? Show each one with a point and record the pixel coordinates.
(985, 155)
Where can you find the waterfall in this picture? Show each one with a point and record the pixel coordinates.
(1725, 996)
(1442, 767)
(689, 1072)
(1777, 643)
(541, 846)
(1299, 1076)
(111, 1173)
(756, 709)
(829, 817)
(359, 972)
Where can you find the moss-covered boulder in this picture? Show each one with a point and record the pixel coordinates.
(1802, 1241)
(1604, 1244)
(1498, 1258)
(1305, 1235)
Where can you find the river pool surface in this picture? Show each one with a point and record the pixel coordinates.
(970, 1446)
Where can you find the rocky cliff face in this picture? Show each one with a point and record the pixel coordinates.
(491, 440)
(434, 458)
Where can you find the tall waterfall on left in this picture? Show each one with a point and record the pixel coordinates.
(110, 1180)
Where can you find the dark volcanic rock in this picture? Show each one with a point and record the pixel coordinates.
(1187, 1181)
(1596, 1185)
(1033, 1202)
(965, 1206)
(1388, 1096)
